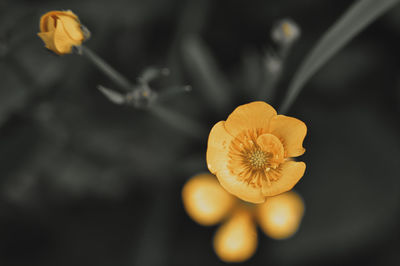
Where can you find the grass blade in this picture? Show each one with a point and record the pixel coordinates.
(354, 20)
(179, 121)
(206, 74)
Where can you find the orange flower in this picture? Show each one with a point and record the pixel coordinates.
(236, 240)
(60, 31)
(250, 152)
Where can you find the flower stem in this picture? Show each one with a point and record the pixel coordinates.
(173, 91)
(109, 71)
(272, 71)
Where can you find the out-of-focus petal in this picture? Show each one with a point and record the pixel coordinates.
(280, 216)
(255, 115)
(236, 240)
(205, 201)
(291, 132)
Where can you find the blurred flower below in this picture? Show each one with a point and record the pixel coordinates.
(207, 203)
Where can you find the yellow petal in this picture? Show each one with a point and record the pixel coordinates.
(62, 41)
(69, 13)
(44, 22)
(255, 115)
(50, 24)
(280, 216)
(236, 240)
(272, 145)
(72, 27)
(54, 14)
(48, 39)
(240, 189)
(218, 147)
(289, 174)
(217, 162)
(205, 201)
(291, 132)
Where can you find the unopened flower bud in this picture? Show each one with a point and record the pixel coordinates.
(61, 31)
(285, 32)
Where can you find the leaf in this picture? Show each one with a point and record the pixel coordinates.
(179, 121)
(113, 96)
(206, 74)
(354, 20)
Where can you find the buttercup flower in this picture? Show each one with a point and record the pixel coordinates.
(236, 240)
(250, 152)
(285, 32)
(60, 31)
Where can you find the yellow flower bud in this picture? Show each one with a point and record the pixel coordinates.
(60, 31)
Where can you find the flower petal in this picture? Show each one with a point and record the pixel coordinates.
(62, 41)
(291, 132)
(72, 27)
(51, 24)
(47, 23)
(44, 22)
(236, 240)
(253, 116)
(290, 173)
(281, 215)
(218, 148)
(48, 39)
(69, 13)
(217, 162)
(271, 144)
(205, 201)
(240, 189)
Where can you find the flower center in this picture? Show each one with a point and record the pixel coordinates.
(258, 159)
(255, 157)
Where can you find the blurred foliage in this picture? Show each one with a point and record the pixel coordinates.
(87, 182)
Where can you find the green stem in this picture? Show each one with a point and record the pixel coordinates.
(108, 70)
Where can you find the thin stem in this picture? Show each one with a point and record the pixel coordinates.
(103, 66)
(173, 91)
(272, 68)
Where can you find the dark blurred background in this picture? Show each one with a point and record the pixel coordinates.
(86, 182)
